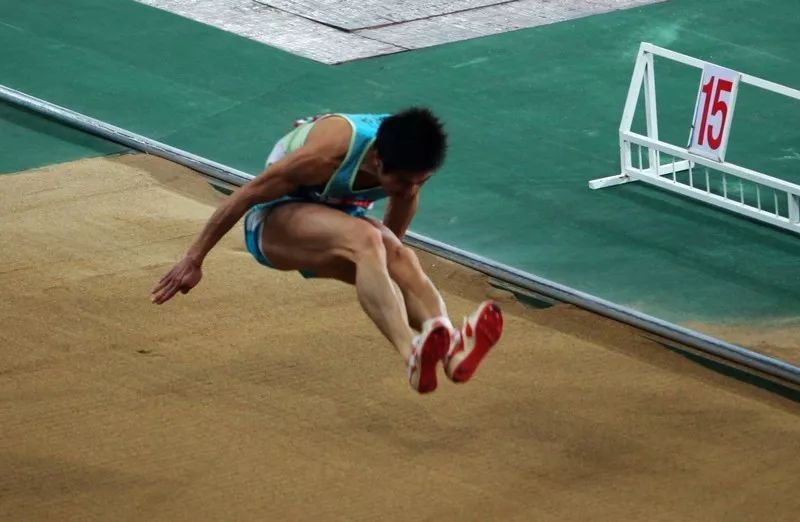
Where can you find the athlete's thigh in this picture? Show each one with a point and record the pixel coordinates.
(312, 236)
(344, 269)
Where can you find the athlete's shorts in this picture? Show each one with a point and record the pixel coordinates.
(258, 214)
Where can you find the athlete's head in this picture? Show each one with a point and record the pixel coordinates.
(410, 146)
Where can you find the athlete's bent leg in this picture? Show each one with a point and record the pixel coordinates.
(480, 331)
(423, 300)
(314, 237)
(297, 236)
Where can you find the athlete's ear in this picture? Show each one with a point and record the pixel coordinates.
(379, 165)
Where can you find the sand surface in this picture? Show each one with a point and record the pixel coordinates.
(263, 396)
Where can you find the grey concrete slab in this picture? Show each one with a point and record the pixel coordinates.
(334, 31)
(277, 28)
(350, 15)
(491, 20)
(460, 26)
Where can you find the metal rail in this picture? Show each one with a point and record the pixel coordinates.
(223, 176)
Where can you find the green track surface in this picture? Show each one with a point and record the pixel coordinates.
(533, 116)
(28, 141)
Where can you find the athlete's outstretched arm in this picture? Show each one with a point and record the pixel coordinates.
(281, 178)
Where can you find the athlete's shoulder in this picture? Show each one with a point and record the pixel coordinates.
(330, 135)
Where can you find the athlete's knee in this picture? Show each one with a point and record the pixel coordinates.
(403, 263)
(366, 243)
(401, 256)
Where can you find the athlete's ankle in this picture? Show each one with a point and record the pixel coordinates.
(440, 319)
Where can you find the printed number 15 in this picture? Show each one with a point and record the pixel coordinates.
(719, 106)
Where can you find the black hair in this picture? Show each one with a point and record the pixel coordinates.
(412, 140)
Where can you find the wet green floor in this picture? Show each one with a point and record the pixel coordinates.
(533, 116)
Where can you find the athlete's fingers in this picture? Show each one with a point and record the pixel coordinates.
(163, 281)
(166, 293)
(171, 272)
(172, 289)
(161, 284)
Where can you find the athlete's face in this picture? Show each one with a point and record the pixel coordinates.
(402, 184)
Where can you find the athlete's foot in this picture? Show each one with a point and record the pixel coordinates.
(469, 346)
(428, 349)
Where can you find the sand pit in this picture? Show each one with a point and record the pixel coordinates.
(263, 396)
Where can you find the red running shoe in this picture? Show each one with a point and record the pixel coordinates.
(469, 346)
(428, 349)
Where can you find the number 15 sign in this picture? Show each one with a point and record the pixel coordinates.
(713, 113)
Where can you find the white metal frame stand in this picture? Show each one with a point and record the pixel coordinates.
(665, 175)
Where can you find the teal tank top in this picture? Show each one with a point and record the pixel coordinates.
(339, 191)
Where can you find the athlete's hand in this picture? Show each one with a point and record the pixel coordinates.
(183, 277)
